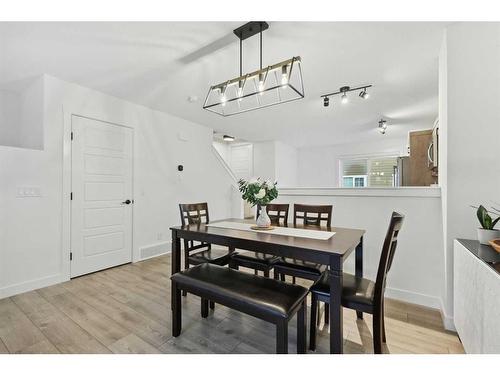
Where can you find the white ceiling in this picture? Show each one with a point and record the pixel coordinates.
(160, 64)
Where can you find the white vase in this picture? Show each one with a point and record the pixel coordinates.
(486, 235)
(263, 221)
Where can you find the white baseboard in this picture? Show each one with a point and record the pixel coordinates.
(12, 290)
(154, 250)
(413, 297)
(448, 321)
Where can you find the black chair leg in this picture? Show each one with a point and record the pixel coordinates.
(377, 333)
(212, 305)
(359, 315)
(266, 273)
(186, 266)
(176, 313)
(282, 276)
(204, 308)
(255, 272)
(314, 319)
(302, 329)
(327, 313)
(293, 279)
(282, 337)
(276, 275)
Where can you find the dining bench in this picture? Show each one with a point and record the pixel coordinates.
(270, 300)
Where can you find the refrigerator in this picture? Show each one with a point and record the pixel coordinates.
(401, 175)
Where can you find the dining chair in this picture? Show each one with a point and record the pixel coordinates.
(361, 294)
(309, 216)
(195, 254)
(278, 213)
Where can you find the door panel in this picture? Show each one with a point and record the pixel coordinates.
(101, 224)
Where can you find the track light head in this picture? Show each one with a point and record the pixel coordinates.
(344, 89)
(363, 94)
(326, 101)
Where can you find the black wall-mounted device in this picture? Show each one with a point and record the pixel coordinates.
(180, 168)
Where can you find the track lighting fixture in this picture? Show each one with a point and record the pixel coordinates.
(326, 102)
(343, 93)
(382, 126)
(275, 84)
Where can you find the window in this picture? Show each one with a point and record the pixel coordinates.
(368, 172)
(354, 181)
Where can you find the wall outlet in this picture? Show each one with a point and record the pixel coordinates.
(29, 192)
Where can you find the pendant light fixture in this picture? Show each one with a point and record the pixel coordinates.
(344, 98)
(274, 84)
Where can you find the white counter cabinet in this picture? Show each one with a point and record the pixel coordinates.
(477, 296)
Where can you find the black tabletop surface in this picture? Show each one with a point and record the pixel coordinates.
(484, 252)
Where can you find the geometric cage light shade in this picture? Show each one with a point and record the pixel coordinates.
(275, 84)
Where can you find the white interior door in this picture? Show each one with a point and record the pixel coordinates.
(242, 161)
(102, 200)
(242, 167)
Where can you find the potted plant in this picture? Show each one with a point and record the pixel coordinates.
(257, 192)
(487, 231)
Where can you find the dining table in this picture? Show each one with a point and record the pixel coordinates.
(296, 241)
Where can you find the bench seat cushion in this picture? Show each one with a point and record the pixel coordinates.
(255, 295)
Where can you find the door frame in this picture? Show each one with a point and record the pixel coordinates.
(67, 115)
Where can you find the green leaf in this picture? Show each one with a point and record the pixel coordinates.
(495, 222)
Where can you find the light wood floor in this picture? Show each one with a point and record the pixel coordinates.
(127, 310)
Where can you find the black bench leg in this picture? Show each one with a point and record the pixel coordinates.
(266, 273)
(314, 317)
(204, 308)
(302, 328)
(282, 337)
(212, 305)
(176, 312)
(327, 313)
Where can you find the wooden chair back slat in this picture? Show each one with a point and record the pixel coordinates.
(194, 213)
(314, 215)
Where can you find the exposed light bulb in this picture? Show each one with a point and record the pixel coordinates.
(284, 76)
(344, 99)
(223, 98)
(261, 83)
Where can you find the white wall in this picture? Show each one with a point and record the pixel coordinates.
(319, 166)
(470, 131)
(21, 112)
(31, 251)
(264, 160)
(286, 164)
(416, 275)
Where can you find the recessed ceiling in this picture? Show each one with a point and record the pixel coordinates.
(161, 64)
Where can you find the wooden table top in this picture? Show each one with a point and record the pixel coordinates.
(341, 244)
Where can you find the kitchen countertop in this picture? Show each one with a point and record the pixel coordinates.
(483, 252)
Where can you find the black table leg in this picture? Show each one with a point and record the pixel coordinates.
(175, 265)
(359, 267)
(336, 314)
(175, 292)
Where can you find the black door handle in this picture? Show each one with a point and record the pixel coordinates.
(128, 201)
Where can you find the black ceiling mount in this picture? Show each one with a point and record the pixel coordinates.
(250, 29)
